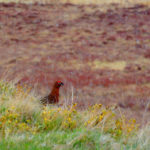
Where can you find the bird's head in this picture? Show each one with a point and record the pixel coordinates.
(58, 84)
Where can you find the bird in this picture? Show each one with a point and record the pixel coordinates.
(53, 97)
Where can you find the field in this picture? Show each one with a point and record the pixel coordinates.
(26, 124)
(100, 52)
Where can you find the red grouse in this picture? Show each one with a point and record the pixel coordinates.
(53, 97)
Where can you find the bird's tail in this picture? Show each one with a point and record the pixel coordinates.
(44, 100)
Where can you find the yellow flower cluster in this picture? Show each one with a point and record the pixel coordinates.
(48, 115)
(95, 107)
(59, 116)
(69, 123)
(5, 91)
(12, 120)
(97, 114)
(22, 91)
(131, 125)
(124, 127)
(107, 120)
(128, 125)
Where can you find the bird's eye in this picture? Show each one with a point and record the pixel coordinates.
(59, 82)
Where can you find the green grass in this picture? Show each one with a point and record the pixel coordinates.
(79, 139)
(26, 125)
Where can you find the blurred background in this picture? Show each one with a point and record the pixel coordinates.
(99, 49)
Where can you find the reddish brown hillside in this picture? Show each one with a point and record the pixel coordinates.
(103, 55)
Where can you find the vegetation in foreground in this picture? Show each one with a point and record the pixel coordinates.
(26, 124)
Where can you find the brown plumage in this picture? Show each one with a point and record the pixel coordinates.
(53, 97)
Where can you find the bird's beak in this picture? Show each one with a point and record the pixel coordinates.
(62, 83)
